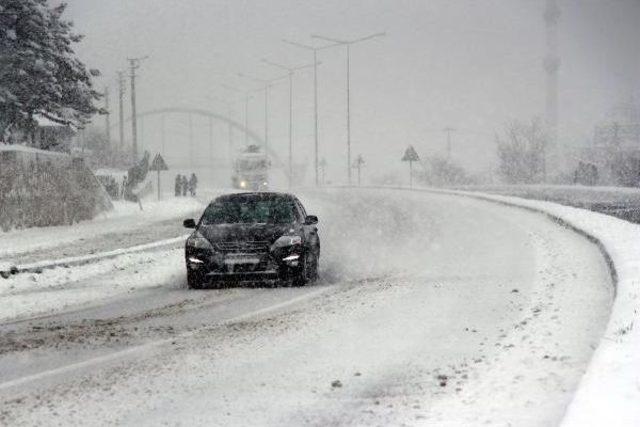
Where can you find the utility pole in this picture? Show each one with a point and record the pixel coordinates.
(246, 119)
(83, 140)
(190, 123)
(121, 82)
(107, 115)
(448, 131)
(551, 67)
(348, 44)
(323, 166)
(162, 135)
(134, 64)
(211, 142)
(290, 71)
(357, 164)
(141, 132)
(315, 96)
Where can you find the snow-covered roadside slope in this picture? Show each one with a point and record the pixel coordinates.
(70, 288)
(609, 393)
(39, 244)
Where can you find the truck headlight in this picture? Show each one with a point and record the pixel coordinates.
(243, 184)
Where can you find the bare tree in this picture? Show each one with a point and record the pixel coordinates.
(439, 172)
(521, 152)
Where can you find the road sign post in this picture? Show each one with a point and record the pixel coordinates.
(357, 164)
(410, 155)
(158, 165)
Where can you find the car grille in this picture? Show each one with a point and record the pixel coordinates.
(247, 247)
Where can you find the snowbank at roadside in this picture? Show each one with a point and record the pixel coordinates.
(58, 289)
(578, 193)
(125, 216)
(609, 393)
(169, 207)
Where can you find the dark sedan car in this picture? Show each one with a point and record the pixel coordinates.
(253, 237)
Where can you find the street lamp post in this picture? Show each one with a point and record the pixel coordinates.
(246, 96)
(290, 71)
(359, 162)
(323, 167)
(266, 86)
(448, 131)
(348, 44)
(315, 96)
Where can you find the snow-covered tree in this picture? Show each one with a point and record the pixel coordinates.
(40, 73)
(521, 152)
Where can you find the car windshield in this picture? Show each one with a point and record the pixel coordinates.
(249, 211)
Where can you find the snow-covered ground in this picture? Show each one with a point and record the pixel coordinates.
(116, 247)
(126, 225)
(431, 309)
(610, 390)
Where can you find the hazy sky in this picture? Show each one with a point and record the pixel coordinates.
(469, 64)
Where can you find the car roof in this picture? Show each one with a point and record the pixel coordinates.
(261, 195)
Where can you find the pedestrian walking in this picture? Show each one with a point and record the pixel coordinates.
(124, 186)
(178, 185)
(185, 185)
(193, 184)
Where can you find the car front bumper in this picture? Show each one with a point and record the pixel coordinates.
(227, 267)
(243, 276)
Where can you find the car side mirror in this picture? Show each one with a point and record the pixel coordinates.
(311, 220)
(189, 223)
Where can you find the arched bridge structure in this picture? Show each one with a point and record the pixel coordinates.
(233, 125)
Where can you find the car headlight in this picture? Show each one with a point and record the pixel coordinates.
(243, 184)
(197, 241)
(285, 241)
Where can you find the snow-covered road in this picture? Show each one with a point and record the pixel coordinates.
(431, 309)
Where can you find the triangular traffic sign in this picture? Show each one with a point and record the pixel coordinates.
(410, 155)
(158, 164)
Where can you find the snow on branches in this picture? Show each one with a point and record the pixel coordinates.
(40, 73)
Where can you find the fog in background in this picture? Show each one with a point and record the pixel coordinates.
(471, 65)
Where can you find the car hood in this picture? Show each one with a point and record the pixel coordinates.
(244, 232)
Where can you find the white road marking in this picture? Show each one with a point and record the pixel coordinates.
(140, 348)
(102, 255)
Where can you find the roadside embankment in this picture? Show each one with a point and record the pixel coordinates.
(610, 390)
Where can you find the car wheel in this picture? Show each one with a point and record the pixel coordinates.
(194, 280)
(313, 268)
(308, 271)
(302, 275)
